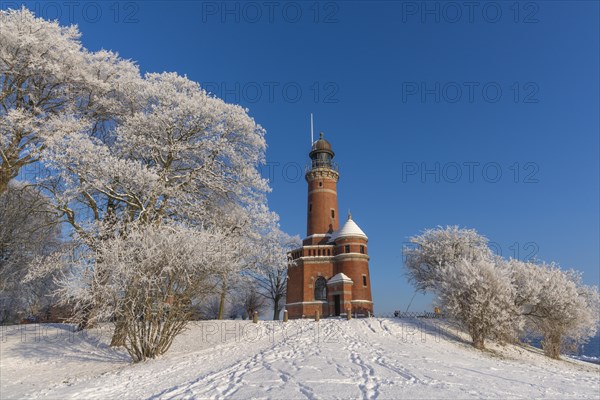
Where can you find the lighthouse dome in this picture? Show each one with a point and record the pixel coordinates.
(321, 146)
(350, 229)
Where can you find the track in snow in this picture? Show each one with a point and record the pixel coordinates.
(365, 358)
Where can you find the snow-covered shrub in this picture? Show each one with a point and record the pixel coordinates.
(555, 304)
(148, 279)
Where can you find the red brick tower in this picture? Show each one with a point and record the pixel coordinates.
(330, 272)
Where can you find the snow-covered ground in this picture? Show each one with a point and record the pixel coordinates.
(363, 358)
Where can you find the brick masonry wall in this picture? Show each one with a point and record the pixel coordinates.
(322, 199)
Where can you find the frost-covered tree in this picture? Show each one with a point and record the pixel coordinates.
(555, 304)
(184, 156)
(437, 248)
(128, 151)
(50, 84)
(495, 298)
(52, 89)
(472, 285)
(28, 229)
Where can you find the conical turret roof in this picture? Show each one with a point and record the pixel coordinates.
(349, 229)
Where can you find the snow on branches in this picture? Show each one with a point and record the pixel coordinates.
(147, 279)
(480, 295)
(48, 79)
(149, 172)
(555, 304)
(28, 230)
(437, 248)
(495, 298)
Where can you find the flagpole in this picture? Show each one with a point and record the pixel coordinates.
(312, 138)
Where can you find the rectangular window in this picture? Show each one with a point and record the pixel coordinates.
(347, 248)
(362, 249)
(364, 280)
(328, 252)
(332, 213)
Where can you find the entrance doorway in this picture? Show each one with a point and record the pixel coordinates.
(336, 302)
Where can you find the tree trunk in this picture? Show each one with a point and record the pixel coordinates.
(551, 345)
(86, 316)
(120, 333)
(276, 309)
(4, 179)
(478, 342)
(222, 301)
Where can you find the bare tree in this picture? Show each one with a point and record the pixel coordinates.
(252, 301)
(210, 308)
(236, 310)
(272, 262)
(273, 284)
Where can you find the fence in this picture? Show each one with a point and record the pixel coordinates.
(418, 314)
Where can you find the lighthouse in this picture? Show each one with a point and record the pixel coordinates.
(330, 272)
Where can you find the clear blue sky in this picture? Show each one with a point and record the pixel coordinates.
(398, 88)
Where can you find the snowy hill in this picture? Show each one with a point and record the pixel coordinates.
(365, 358)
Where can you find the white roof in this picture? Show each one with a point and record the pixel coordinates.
(341, 277)
(349, 229)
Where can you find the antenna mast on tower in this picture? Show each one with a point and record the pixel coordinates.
(312, 138)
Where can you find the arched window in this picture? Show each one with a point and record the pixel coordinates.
(320, 289)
